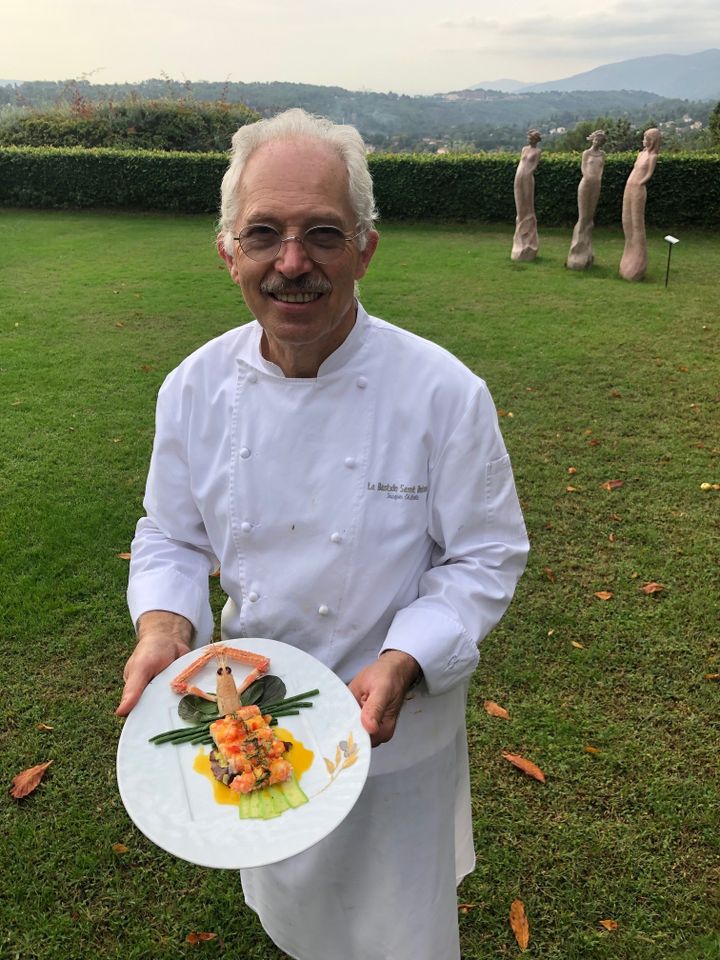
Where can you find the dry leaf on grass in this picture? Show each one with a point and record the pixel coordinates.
(590, 749)
(609, 924)
(123, 556)
(120, 848)
(196, 938)
(572, 469)
(604, 594)
(712, 676)
(44, 726)
(611, 484)
(570, 489)
(495, 710)
(27, 781)
(519, 923)
(527, 766)
(577, 644)
(549, 574)
(466, 907)
(653, 587)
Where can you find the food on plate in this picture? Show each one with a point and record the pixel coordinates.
(260, 663)
(249, 759)
(247, 754)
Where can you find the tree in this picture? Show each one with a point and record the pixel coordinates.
(714, 126)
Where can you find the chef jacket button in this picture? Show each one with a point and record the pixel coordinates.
(361, 382)
(350, 462)
(244, 453)
(335, 537)
(245, 526)
(252, 377)
(253, 597)
(323, 610)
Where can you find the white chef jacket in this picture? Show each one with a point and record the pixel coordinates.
(369, 508)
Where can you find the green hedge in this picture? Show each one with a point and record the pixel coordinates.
(684, 190)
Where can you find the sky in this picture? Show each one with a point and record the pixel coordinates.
(405, 46)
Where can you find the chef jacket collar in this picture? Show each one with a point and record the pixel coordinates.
(344, 353)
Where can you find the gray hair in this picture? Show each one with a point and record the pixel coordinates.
(291, 125)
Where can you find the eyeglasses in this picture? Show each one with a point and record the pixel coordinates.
(323, 244)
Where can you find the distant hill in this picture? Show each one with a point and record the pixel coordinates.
(485, 119)
(504, 86)
(694, 76)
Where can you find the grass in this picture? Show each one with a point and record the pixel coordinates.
(611, 379)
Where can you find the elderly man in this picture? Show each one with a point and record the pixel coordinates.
(351, 481)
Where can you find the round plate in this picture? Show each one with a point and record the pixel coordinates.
(173, 805)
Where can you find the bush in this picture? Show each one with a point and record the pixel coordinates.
(684, 190)
(133, 124)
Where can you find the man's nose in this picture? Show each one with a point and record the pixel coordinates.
(292, 259)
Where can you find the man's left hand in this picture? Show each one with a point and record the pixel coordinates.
(380, 689)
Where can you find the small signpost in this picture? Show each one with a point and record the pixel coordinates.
(671, 241)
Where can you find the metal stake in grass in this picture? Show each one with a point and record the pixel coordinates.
(671, 241)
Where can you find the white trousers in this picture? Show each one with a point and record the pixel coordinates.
(382, 886)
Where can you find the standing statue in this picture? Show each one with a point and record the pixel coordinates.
(525, 241)
(591, 165)
(634, 259)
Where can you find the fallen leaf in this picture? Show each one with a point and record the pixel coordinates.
(215, 573)
(120, 848)
(123, 556)
(616, 518)
(577, 644)
(501, 412)
(570, 489)
(196, 938)
(609, 924)
(27, 781)
(611, 484)
(119, 324)
(615, 393)
(44, 726)
(712, 676)
(551, 631)
(146, 368)
(682, 368)
(549, 574)
(604, 594)
(527, 766)
(589, 749)
(572, 469)
(16, 403)
(611, 537)
(495, 710)
(519, 923)
(466, 907)
(653, 587)
(594, 443)
(117, 439)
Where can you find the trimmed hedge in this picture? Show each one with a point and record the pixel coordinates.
(684, 190)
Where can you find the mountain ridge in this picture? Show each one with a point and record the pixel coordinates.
(693, 76)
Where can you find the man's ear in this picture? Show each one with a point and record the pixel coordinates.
(366, 255)
(227, 257)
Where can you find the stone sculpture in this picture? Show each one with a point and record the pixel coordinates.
(525, 241)
(634, 259)
(591, 165)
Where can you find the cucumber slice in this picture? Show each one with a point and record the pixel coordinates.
(278, 799)
(244, 806)
(255, 805)
(293, 792)
(267, 805)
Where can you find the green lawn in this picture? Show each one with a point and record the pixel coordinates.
(596, 379)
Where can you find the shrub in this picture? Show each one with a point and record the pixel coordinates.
(133, 124)
(684, 190)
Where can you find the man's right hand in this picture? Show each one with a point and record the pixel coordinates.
(162, 638)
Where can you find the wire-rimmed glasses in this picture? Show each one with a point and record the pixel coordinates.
(322, 243)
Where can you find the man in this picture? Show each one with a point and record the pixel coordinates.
(351, 481)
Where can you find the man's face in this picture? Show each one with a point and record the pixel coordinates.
(293, 185)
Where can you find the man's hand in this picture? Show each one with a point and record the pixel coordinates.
(380, 689)
(162, 638)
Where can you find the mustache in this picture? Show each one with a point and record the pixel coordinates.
(279, 284)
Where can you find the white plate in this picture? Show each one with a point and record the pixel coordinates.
(173, 805)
